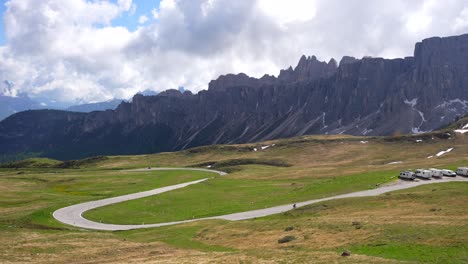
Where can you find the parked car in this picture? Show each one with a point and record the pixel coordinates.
(462, 171)
(407, 175)
(449, 173)
(423, 174)
(436, 173)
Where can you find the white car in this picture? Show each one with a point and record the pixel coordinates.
(449, 173)
(407, 175)
(462, 171)
(423, 174)
(436, 173)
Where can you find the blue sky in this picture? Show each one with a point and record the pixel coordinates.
(128, 20)
(2, 26)
(143, 7)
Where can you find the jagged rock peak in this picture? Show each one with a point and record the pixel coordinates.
(286, 75)
(347, 60)
(307, 62)
(233, 80)
(171, 93)
(438, 51)
(309, 68)
(374, 96)
(268, 78)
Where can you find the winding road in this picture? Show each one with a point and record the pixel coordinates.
(73, 215)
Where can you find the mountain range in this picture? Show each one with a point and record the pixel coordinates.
(10, 105)
(99, 106)
(368, 96)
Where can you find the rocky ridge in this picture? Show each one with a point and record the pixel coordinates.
(368, 96)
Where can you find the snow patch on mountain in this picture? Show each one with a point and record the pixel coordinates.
(417, 130)
(444, 152)
(451, 102)
(263, 147)
(412, 103)
(268, 146)
(461, 131)
(366, 131)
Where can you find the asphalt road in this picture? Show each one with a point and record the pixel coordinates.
(72, 215)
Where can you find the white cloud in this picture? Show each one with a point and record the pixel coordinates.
(286, 12)
(461, 21)
(69, 49)
(167, 4)
(155, 13)
(125, 5)
(142, 19)
(421, 19)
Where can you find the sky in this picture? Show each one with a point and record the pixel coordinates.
(96, 50)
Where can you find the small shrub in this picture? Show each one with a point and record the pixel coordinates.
(357, 225)
(289, 228)
(75, 164)
(286, 239)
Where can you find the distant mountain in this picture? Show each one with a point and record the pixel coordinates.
(100, 106)
(148, 93)
(11, 105)
(11, 102)
(369, 96)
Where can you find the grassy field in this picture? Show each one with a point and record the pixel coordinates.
(28, 197)
(427, 224)
(224, 195)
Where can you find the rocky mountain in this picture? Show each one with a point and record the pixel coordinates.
(11, 102)
(368, 96)
(148, 92)
(10, 105)
(99, 106)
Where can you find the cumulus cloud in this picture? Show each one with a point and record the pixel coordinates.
(155, 13)
(69, 49)
(142, 19)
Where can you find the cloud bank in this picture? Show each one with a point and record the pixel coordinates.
(69, 50)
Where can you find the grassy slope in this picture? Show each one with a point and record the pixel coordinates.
(224, 195)
(320, 166)
(28, 197)
(32, 163)
(427, 224)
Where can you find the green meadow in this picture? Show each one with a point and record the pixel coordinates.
(426, 224)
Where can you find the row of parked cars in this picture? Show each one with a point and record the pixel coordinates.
(433, 173)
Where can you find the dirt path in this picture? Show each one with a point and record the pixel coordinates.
(72, 215)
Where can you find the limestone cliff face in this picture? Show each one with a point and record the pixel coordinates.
(309, 68)
(369, 96)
